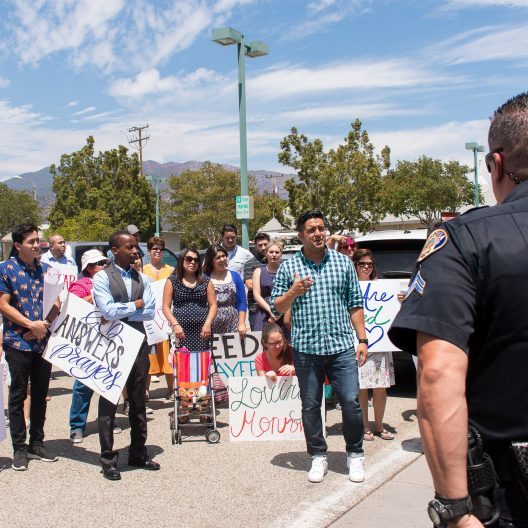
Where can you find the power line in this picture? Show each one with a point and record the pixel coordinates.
(139, 139)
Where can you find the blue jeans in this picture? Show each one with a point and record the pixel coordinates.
(80, 405)
(342, 370)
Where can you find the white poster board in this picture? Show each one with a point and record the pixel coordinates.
(53, 285)
(380, 304)
(98, 355)
(262, 410)
(159, 328)
(2, 419)
(236, 356)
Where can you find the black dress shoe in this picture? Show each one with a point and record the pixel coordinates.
(111, 472)
(144, 463)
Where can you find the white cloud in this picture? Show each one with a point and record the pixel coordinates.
(346, 112)
(85, 111)
(323, 13)
(71, 104)
(4, 82)
(484, 44)
(461, 4)
(150, 82)
(112, 35)
(362, 74)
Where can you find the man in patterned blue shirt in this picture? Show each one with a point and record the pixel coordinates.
(25, 338)
(321, 288)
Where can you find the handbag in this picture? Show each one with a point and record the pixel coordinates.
(519, 455)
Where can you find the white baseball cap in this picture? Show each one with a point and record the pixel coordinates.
(91, 257)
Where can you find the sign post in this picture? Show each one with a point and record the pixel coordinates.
(245, 208)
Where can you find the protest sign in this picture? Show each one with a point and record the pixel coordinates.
(260, 409)
(98, 355)
(70, 274)
(2, 419)
(53, 285)
(236, 356)
(159, 328)
(380, 304)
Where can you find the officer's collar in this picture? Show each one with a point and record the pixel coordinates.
(519, 191)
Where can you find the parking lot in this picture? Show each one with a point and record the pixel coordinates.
(227, 484)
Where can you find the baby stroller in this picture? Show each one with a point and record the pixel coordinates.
(194, 402)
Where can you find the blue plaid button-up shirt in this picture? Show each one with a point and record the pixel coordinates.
(321, 317)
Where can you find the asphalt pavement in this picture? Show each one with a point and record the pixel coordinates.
(251, 484)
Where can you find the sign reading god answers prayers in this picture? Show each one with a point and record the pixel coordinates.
(98, 355)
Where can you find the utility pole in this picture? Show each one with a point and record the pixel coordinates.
(140, 139)
(275, 189)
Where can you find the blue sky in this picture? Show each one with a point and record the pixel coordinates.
(422, 75)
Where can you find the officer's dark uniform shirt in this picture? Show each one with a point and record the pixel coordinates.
(470, 288)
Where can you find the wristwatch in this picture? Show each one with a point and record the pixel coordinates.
(363, 341)
(441, 510)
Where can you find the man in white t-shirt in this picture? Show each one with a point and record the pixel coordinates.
(238, 256)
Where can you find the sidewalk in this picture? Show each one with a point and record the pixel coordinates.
(400, 503)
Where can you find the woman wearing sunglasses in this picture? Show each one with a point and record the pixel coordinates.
(193, 301)
(157, 270)
(378, 371)
(230, 293)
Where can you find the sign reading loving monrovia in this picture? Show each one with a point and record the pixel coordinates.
(98, 355)
(260, 409)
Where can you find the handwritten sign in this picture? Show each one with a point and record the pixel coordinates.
(235, 356)
(98, 355)
(53, 286)
(2, 420)
(263, 410)
(159, 328)
(380, 304)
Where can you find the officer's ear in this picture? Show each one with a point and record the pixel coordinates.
(497, 168)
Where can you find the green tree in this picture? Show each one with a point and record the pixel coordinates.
(426, 187)
(104, 190)
(345, 183)
(202, 201)
(17, 207)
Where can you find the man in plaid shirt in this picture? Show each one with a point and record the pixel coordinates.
(321, 287)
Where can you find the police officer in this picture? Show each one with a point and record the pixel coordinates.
(464, 315)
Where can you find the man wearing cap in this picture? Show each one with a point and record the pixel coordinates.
(92, 261)
(56, 256)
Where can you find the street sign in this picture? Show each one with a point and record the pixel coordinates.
(245, 209)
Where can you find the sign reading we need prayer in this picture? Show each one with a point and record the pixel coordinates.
(100, 355)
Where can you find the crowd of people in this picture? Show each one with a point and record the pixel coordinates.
(231, 291)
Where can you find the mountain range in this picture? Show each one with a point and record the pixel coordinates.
(40, 182)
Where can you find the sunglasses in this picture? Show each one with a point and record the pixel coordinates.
(101, 263)
(365, 264)
(488, 158)
(192, 259)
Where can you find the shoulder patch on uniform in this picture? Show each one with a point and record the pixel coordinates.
(436, 241)
(418, 285)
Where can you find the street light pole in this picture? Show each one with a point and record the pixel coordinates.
(476, 148)
(156, 179)
(227, 37)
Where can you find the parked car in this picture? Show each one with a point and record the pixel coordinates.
(395, 251)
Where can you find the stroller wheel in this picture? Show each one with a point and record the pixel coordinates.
(179, 436)
(212, 436)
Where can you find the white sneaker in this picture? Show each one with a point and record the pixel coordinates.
(318, 470)
(356, 469)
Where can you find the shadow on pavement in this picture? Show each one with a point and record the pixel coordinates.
(407, 415)
(65, 449)
(413, 445)
(5, 463)
(300, 461)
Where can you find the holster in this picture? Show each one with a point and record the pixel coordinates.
(483, 485)
(519, 463)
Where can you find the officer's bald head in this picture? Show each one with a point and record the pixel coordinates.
(509, 130)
